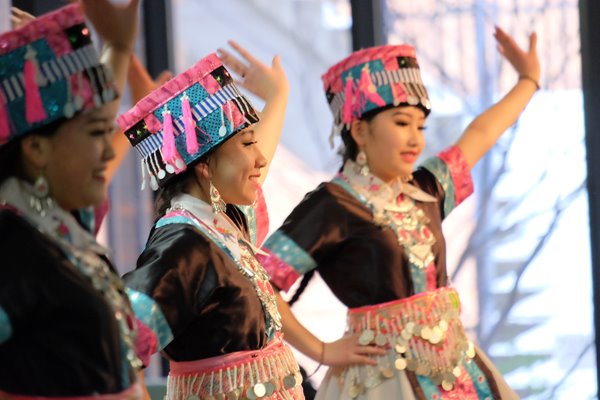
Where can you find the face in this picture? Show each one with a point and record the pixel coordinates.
(235, 168)
(75, 158)
(393, 141)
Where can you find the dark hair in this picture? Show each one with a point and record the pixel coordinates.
(349, 149)
(176, 184)
(11, 162)
(173, 187)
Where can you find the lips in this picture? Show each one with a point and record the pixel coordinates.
(99, 175)
(409, 156)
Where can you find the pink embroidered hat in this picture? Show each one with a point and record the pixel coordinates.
(49, 69)
(178, 123)
(372, 78)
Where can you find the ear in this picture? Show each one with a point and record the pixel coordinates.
(359, 130)
(202, 170)
(36, 150)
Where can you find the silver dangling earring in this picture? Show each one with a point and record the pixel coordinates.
(40, 201)
(361, 164)
(217, 203)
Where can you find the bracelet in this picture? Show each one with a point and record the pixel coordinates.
(320, 360)
(532, 80)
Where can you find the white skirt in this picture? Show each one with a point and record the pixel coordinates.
(334, 387)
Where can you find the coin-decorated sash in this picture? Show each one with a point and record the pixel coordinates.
(423, 334)
(271, 372)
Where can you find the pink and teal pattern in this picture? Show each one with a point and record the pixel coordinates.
(49, 70)
(187, 117)
(372, 78)
(453, 173)
(287, 261)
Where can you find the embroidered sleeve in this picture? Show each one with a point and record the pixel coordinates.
(5, 326)
(154, 332)
(304, 240)
(146, 343)
(258, 218)
(173, 279)
(286, 260)
(453, 174)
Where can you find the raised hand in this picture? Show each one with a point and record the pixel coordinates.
(258, 78)
(526, 63)
(115, 23)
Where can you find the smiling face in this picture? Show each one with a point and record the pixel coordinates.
(73, 159)
(393, 141)
(235, 167)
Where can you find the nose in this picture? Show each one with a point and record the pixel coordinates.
(415, 136)
(260, 161)
(109, 151)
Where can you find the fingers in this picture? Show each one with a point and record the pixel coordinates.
(533, 43)
(163, 77)
(370, 350)
(358, 359)
(232, 62)
(243, 52)
(276, 63)
(19, 18)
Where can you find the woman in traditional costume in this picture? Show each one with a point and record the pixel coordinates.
(374, 232)
(198, 278)
(66, 326)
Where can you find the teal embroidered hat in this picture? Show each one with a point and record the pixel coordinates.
(49, 70)
(191, 114)
(372, 78)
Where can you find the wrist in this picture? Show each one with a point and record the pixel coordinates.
(118, 47)
(320, 360)
(529, 78)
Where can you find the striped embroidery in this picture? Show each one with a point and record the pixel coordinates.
(53, 70)
(200, 111)
(382, 78)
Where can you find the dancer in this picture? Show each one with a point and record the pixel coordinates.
(204, 292)
(66, 326)
(374, 232)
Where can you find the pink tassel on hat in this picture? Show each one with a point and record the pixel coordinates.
(191, 141)
(368, 91)
(34, 108)
(169, 150)
(348, 100)
(4, 122)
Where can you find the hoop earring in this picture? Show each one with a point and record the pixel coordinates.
(362, 168)
(40, 200)
(217, 203)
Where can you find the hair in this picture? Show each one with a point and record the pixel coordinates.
(176, 185)
(349, 149)
(173, 187)
(11, 157)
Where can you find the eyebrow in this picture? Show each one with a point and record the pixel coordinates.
(408, 115)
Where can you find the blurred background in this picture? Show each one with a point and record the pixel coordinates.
(520, 252)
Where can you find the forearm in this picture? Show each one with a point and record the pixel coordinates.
(117, 58)
(296, 334)
(485, 130)
(268, 130)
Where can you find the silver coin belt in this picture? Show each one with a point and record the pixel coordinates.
(274, 375)
(423, 334)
